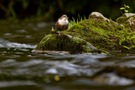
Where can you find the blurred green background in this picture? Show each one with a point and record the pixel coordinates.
(49, 10)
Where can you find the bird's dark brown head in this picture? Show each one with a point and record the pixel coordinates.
(63, 16)
(62, 23)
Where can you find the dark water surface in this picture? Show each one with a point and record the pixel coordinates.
(20, 69)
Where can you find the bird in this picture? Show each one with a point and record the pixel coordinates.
(62, 23)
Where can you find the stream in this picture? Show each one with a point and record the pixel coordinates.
(21, 69)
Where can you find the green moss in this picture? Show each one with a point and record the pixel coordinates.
(105, 35)
(94, 31)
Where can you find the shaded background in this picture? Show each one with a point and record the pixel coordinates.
(49, 10)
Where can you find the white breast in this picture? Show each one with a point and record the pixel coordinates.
(63, 21)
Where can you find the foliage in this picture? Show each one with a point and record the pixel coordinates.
(76, 21)
(125, 8)
(51, 10)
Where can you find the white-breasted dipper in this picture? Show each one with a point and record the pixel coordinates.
(62, 23)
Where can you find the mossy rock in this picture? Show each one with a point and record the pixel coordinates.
(64, 42)
(94, 34)
(106, 34)
(127, 20)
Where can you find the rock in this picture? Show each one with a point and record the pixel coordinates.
(98, 16)
(129, 14)
(128, 20)
(64, 42)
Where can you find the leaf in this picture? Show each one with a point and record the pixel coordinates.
(122, 8)
(126, 47)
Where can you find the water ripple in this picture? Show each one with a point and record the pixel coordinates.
(7, 44)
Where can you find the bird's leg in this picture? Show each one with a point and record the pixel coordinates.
(53, 30)
(59, 33)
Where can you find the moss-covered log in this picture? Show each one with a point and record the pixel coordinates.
(102, 33)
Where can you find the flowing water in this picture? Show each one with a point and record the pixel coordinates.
(21, 69)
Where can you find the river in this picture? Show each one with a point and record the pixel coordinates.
(21, 69)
